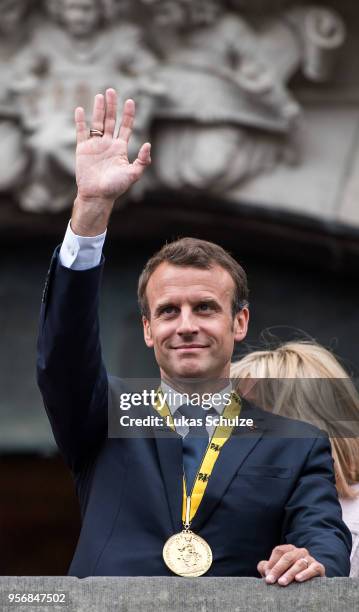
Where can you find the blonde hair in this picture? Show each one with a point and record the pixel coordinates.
(313, 401)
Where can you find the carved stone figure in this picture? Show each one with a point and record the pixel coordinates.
(216, 83)
(13, 34)
(220, 89)
(75, 55)
(232, 114)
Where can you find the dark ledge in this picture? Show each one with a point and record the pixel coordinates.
(165, 215)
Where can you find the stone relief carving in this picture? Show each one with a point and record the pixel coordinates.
(235, 111)
(13, 35)
(76, 53)
(210, 80)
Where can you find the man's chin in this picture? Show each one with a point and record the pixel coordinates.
(190, 370)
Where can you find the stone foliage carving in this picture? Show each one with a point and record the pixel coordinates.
(210, 80)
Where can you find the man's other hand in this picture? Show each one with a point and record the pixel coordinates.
(288, 563)
(103, 171)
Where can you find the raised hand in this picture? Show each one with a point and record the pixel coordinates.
(103, 171)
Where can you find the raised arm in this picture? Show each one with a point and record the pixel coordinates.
(71, 374)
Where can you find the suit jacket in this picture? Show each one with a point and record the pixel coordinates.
(271, 486)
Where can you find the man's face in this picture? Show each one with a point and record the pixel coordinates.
(191, 326)
(81, 16)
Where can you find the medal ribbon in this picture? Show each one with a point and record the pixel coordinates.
(220, 436)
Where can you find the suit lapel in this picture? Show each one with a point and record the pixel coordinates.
(169, 448)
(233, 454)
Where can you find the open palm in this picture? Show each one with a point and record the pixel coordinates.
(102, 167)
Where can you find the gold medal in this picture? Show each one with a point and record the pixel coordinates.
(187, 554)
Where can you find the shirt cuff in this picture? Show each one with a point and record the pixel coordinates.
(81, 252)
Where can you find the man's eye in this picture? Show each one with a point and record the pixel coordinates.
(204, 307)
(168, 310)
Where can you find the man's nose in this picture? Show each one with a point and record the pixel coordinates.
(187, 324)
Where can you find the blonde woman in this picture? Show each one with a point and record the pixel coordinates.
(303, 380)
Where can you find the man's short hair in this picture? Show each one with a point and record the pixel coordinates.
(195, 253)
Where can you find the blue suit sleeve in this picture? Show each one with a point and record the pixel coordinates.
(70, 371)
(313, 517)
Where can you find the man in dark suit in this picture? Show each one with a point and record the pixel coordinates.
(267, 503)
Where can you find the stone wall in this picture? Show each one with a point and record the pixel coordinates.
(185, 594)
(250, 102)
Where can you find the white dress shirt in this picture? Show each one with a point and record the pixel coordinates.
(81, 252)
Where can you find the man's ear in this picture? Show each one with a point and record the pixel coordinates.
(240, 324)
(147, 334)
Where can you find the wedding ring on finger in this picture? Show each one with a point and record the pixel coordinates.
(94, 132)
(305, 561)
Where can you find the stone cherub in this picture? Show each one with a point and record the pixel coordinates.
(213, 74)
(76, 53)
(230, 113)
(14, 30)
(220, 88)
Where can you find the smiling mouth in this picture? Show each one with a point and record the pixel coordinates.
(189, 347)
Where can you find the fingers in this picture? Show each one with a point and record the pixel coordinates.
(315, 569)
(277, 553)
(110, 112)
(262, 568)
(80, 123)
(288, 563)
(144, 155)
(128, 117)
(143, 160)
(299, 566)
(104, 114)
(98, 113)
(285, 562)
